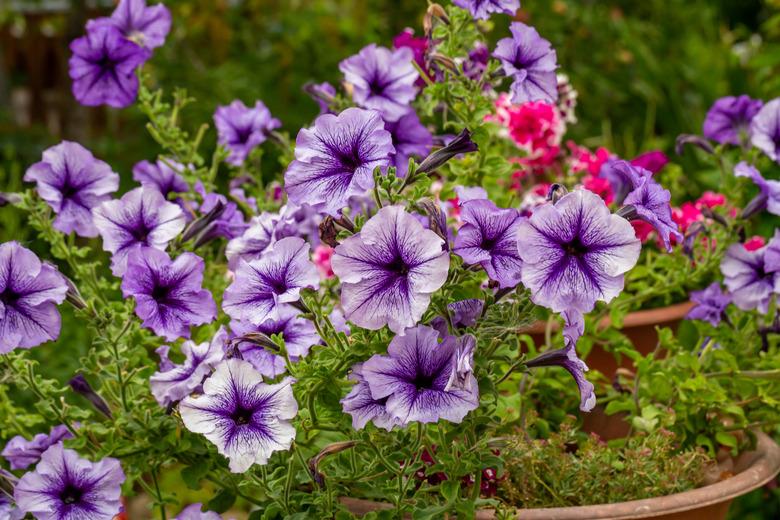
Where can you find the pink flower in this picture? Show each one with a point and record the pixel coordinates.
(583, 160)
(653, 161)
(418, 45)
(321, 258)
(686, 215)
(710, 199)
(754, 243)
(599, 186)
(642, 229)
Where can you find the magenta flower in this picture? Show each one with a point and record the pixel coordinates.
(262, 286)
(72, 182)
(765, 130)
(29, 293)
(382, 79)
(64, 486)
(410, 138)
(21, 453)
(419, 47)
(728, 120)
(141, 218)
(169, 297)
(335, 159)
(487, 238)
(711, 304)
(389, 270)
(161, 176)
(241, 129)
(652, 161)
(530, 61)
(482, 9)
(103, 66)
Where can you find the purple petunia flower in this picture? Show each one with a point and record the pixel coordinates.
(262, 286)
(389, 270)
(141, 218)
(464, 313)
(169, 297)
(765, 130)
(72, 182)
(575, 252)
(482, 9)
(260, 234)
(241, 129)
(64, 486)
(195, 512)
(749, 277)
(530, 61)
(416, 377)
(362, 407)
(146, 26)
(711, 304)
(8, 510)
(230, 222)
(335, 159)
(21, 453)
(164, 178)
(623, 177)
(244, 418)
(410, 138)
(382, 79)
(323, 93)
(29, 293)
(173, 382)
(728, 120)
(769, 190)
(299, 334)
(652, 205)
(103, 66)
(487, 238)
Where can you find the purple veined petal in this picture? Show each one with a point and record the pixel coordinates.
(261, 233)
(410, 138)
(465, 313)
(652, 204)
(728, 119)
(389, 270)
(165, 176)
(623, 177)
(241, 129)
(465, 193)
(765, 130)
(770, 189)
(336, 158)
(299, 334)
(72, 182)
(246, 419)
(21, 453)
(146, 26)
(362, 407)
(530, 61)
(748, 280)
(482, 9)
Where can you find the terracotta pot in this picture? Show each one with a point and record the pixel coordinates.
(752, 470)
(639, 326)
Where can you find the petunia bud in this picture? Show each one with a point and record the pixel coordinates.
(461, 144)
(434, 12)
(437, 220)
(197, 226)
(80, 385)
(757, 205)
(328, 231)
(259, 339)
(695, 140)
(9, 198)
(717, 217)
(73, 295)
(694, 230)
(321, 95)
(556, 192)
(628, 212)
(330, 449)
(443, 61)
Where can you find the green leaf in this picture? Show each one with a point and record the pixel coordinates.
(222, 501)
(726, 439)
(450, 490)
(192, 475)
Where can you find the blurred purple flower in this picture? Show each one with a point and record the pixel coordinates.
(749, 277)
(711, 304)
(482, 9)
(410, 138)
(21, 453)
(728, 120)
(765, 130)
(652, 205)
(159, 175)
(769, 191)
(146, 26)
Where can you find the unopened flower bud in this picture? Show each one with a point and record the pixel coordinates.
(73, 296)
(328, 231)
(695, 140)
(757, 205)
(437, 220)
(556, 192)
(80, 385)
(434, 12)
(628, 212)
(197, 226)
(689, 242)
(461, 144)
(330, 449)
(9, 198)
(443, 61)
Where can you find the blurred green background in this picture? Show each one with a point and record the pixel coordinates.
(646, 71)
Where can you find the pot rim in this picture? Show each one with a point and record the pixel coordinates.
(759, 467)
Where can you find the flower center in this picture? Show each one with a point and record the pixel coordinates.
(241, 416)
(575, 247)
(242, 134)
(160, 293)
(351, 160)
(9, 297)
(398, 266)
(487, 243)
(423, 382)
(376, 86)
(141, 233)
(70, 495)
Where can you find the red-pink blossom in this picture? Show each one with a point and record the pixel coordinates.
(419, 47)
(321, 258)
(583, 160)
(653, 160)
(754, 243)
(686, 215)
(710, 199)
(599, 186)
(642, 229)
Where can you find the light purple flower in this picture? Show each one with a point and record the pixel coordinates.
(260, 234)
(21, 453)
(623, 177)
(487, 237)
(389, 270)
(382, 79)
(482, 9)
(749, 277)
(8, 510)
(299, 334)
(728, 120)
(410, 138)
(72, 182)
(335, 159)
(146, 26)
(64, 486)
(416, 377)
(765, 130)
(711, 304)
(530, 61)
(29, 293)
(323, 93)
(466, 193)
(575, 252)
(169, 296)
(652, 205)
(141, 218)
(103, 66)
(164, 178)
(769, 190)
(230, 223)
(262, 286)
(464, 313)
(173, 382)
(241, 129)
(195, 512)
(244, 418)
(362, 407)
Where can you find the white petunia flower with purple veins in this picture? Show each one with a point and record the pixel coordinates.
(651, 202)
(141, 218)
(769, 191)
(21, 453)
(362, 407)
(416, 377)
(72, 182)
(711, 304)
(410, 138)
(335, 159)
(164, 176)
(169, 296)
(257, 238)
(389, 270)
(145, 26)
(382, 79)
(244, 418)
(750, 276)
(64, 486)
(482, 9)
(174, 382)
(530, 61)
(241, 129)
(262, 286)
(575, 252)
(195, 512)
(487, 238)
(765, 130)
(29, 294)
